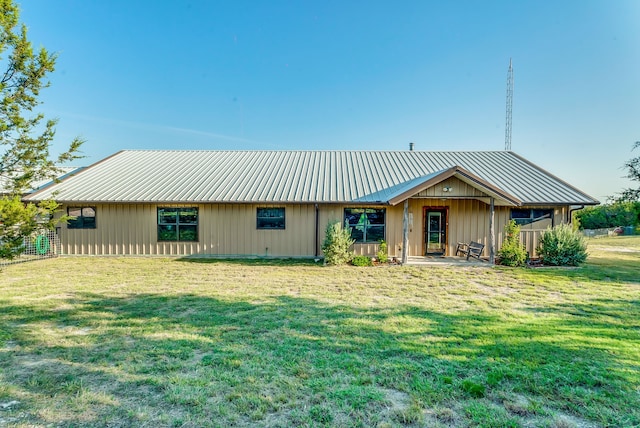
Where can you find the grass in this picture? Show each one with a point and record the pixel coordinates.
(191, 343)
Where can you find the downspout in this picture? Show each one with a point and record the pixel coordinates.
(317, 231)
(571, 210)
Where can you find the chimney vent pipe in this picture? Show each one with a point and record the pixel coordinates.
(411, 146)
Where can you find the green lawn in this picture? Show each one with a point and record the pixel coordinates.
(165, 342)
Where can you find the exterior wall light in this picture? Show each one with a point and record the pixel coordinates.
(447, 189)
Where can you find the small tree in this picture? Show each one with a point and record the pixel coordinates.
(19, 221)
(337, 244)
(512, 252)
(562, 246)
(25, 139)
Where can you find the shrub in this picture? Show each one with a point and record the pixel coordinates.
(362, 261)
(383, 253)
(562, 246)
(512, 252)
(337, 244)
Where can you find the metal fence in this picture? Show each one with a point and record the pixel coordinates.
(43, 244)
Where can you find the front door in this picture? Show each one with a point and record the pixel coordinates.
(435, 231)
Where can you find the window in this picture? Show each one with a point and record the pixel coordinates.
(177, 224)
(81, 218)
(533, 218)
(270, 218)
(367, 224)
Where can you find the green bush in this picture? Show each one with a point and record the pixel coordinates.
(362, 261)
(383, 253)
(337, 244)
(562, 246)
(512, 252)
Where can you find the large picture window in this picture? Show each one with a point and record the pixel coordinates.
(533, 218)
(177, 224)
(81, 218)
(270, 218)
(367, 224)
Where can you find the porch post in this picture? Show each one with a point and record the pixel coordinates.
(405, 232)
(492, 233)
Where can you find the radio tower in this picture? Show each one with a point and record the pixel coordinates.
(507, 128)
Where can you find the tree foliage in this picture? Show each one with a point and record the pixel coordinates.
(633, 173)
(25, 136)
(609, 215)
(19, 221)
(337, 244)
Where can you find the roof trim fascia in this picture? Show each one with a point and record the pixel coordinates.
(457, 171)
(75, 173)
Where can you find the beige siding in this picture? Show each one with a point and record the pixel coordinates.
(456, 188)
(230, 229)
(224, 229)
(468, 220)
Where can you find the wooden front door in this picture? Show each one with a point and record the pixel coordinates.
(435, 231)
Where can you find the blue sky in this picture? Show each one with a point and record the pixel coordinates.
(356, 75)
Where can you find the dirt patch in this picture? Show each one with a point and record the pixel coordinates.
(398, 400)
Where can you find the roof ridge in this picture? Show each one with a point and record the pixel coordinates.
(313, 151)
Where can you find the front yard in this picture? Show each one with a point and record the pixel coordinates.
(167, 342)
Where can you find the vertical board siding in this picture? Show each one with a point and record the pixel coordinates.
(468, 220)
(223, 230)
(230, 229)
(458, 189)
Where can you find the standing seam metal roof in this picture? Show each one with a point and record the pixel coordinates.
(295, 176)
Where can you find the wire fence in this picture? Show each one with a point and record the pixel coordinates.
(611, 231)
(43, 244)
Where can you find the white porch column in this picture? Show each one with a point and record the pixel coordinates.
(492, 233)
(405, 232)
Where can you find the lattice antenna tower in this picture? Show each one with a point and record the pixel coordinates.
(507, 128)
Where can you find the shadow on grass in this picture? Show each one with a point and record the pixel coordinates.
(190, 360)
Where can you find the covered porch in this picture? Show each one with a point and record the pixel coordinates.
(450, 206)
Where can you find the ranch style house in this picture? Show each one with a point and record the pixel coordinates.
(278, 203)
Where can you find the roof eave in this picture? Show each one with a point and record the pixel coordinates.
(468, 177)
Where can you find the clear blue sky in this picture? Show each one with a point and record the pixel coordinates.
(349, 75)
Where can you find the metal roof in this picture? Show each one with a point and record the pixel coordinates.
(298, 177)
(63, 171)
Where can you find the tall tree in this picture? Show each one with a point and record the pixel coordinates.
(25, 136)
(633, 172)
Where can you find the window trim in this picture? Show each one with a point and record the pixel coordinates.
(81, 218)
(364, 233)
(258, 217)
(177, 224)
(531, 219)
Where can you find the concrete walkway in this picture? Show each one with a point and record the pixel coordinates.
(445, 261)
